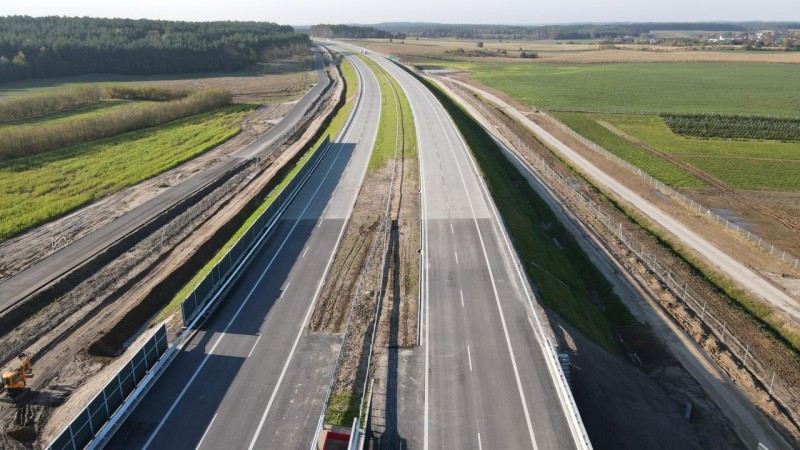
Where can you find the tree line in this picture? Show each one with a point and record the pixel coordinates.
(353, 32)
(25, 140)
(64, 46)
(567, 32)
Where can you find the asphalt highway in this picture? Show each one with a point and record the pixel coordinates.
(41, 274)
(254, 377)
(487, 383)
(733, 268)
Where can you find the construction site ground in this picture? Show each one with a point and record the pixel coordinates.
(66, 370)
(648, 284)
(28, 248)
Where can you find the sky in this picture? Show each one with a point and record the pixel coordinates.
(307, 12)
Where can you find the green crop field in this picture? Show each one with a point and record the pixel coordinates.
(760, 165)
(713, 126)
(586, 125)
(38, 188)
(731, 88)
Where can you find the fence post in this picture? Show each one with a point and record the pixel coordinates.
(105, 402)
(771, 383)
(72, 438)
(723, 332)
(703, 314)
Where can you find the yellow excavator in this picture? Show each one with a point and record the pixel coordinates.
(14, 381)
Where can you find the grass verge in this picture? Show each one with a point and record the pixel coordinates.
(334, 127)
(565, 278)
(395, 137)
(39, 188)
(386, 140)
(342, 408)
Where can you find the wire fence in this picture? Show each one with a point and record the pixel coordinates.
(781, 391)
(691, 204)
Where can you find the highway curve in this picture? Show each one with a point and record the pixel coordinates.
(254, 377)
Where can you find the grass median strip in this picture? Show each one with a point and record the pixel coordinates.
(365, 264)
(334, 127)
(565, 278)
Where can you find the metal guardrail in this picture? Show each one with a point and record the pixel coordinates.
(198, 297)
(780, 390)
(104, 405)
(564, 392)
(202, 292)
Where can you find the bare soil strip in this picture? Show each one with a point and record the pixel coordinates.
(108, 315)
(360, 280)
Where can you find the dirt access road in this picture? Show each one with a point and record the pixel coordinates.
(719, 259)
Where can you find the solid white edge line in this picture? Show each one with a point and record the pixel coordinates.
(206, 432)
(469, 357)
(485, 255)
(461, 292)
(239, 310)
(254, 345)
(313, 303)
(549, 355)
(424, 318)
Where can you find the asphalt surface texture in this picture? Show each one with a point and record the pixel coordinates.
(734, 269)
(487, 383)
(254, 376)
(753, 426)
(39, 275)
